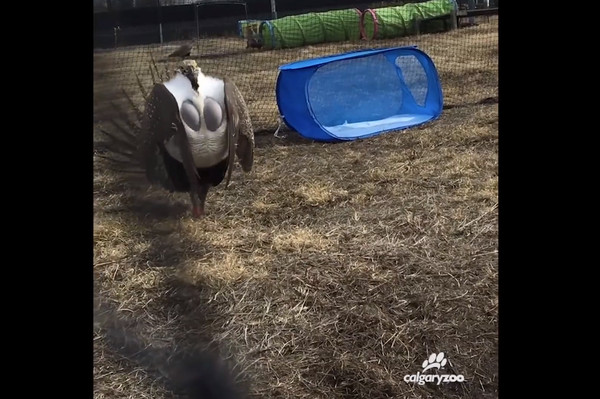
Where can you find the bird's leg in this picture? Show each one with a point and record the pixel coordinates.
(202, 191)
(190, 171)
(197, 207)
(196, 196)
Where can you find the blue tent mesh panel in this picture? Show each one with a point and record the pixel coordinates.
(359, 94)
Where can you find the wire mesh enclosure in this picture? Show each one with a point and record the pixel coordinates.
(246, 42)
(330, 270)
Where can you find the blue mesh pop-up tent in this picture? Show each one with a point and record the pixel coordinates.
(359, 94)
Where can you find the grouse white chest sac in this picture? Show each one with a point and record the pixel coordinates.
(204, 119)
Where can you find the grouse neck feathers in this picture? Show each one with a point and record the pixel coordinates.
(203, 119)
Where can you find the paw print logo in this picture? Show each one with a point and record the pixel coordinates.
(434, 360)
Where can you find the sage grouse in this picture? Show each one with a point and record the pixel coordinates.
(192, 127)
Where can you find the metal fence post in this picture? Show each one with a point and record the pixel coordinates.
(273, 10)
(453, 19)
(416, 26)
(471, 7)
(197, 23)
(160, 30)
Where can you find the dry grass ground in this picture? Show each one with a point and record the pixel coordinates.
(331, 270)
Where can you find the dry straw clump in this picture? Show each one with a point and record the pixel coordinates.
(299, 240)
(318, 193)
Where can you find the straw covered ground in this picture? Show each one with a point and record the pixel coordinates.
(329, 271)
